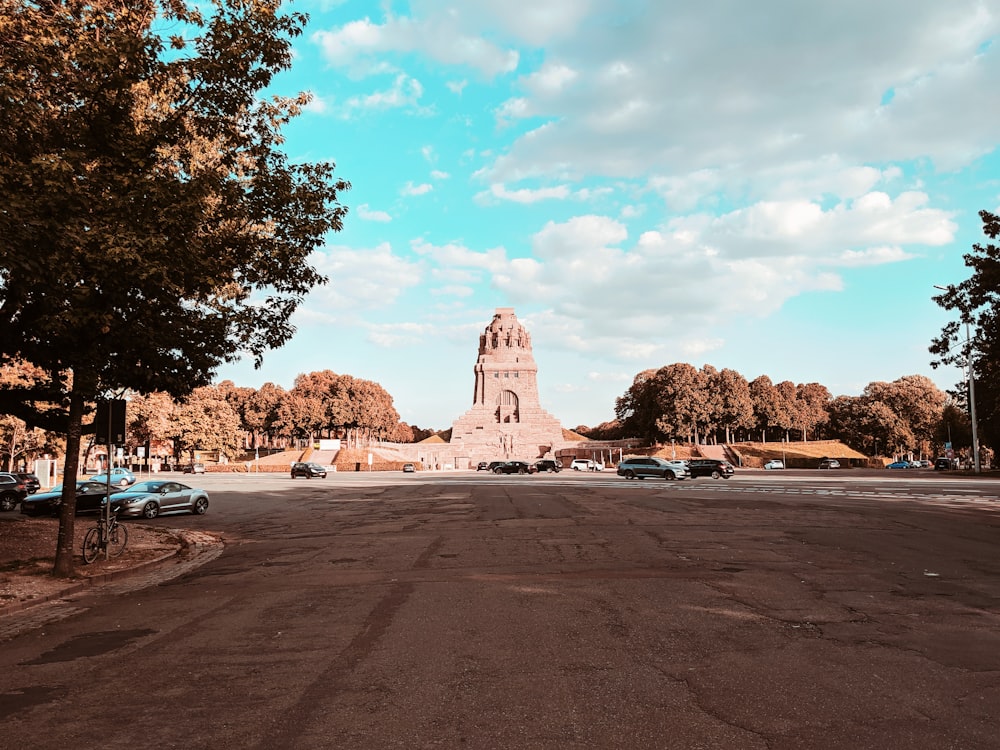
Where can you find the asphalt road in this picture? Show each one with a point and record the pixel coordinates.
(770, 611)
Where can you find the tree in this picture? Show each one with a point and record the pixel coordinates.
(206, 421)
(788, 406)
(735, 407)
(260, 411)
(974, 339)
(767, 405)
(637, 410)
(149, 420)
(150, 226)
(813, 401)
(918, 403)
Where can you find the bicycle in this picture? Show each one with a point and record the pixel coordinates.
(109, 536)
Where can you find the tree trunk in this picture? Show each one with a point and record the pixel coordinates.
(64, 565)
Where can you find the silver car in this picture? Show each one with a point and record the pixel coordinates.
(150, 499)
(641, 467)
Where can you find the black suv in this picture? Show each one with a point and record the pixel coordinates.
(547, 464)
(12, 491)
(31, 483)
(307, 470)
(514, 467)
(710, 467)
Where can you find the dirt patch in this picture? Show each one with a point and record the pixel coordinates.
(28, 548)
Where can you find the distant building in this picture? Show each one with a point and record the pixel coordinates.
(506, 420)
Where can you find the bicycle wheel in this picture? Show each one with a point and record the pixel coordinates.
(92, 545)
(117, 540)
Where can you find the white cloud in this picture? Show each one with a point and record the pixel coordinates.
(455, 256)
(367, 214)
(404, 92)
(396, 335)
(369, 278)
(358, 45)
(410, 189)
(525, 195)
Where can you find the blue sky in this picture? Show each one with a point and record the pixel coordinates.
(772, 187)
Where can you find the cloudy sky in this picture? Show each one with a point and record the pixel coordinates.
(772, 187)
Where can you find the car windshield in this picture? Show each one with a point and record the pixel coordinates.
(152, 486)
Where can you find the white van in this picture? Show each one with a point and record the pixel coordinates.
(585, 464)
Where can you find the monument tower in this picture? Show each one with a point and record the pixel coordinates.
(506, 420)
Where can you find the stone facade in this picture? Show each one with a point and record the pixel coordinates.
(506, 420)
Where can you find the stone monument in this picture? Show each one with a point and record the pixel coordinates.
(506, 421)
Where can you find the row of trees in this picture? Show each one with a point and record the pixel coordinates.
(232, 419)
(682, 403)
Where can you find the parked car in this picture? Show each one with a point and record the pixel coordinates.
(31, 483)
(547, 464)
(710, 467)
(829, 463)
(944, 464)
(150, 499)
(650, 466)
(585, 464)
(407, 468)
(514, 467)
(119, 476)
(308, 470)
(483, 466)
(492, 465)
(90, 495)
(195, 468)
(12, 491)
(898, 465)
(774, 463)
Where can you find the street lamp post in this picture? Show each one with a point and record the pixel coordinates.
(971, 379)
(972, 399)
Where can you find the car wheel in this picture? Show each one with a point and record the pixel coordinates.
(123, 483)
(629, 474)
(200, 506)
(669, 475)
(716, 475)
(498, 471)
(150, 510)
(7, 503)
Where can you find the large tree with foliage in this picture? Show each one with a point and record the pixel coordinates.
(207, 421)
(974, 338)
(150, 226)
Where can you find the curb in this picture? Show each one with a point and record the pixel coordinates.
(185, 544)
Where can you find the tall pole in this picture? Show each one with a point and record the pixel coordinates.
(972, 399)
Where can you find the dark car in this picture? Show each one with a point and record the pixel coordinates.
(308, 470)
(31, 483)
(150, 499)
(483, 466)
(710, 467)
(945, 464)
(514, 467)
(195, 468)
(89, 498)
(492, 466)
(12, 491)
(650, 466)
(547, 464)
(829, 463)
